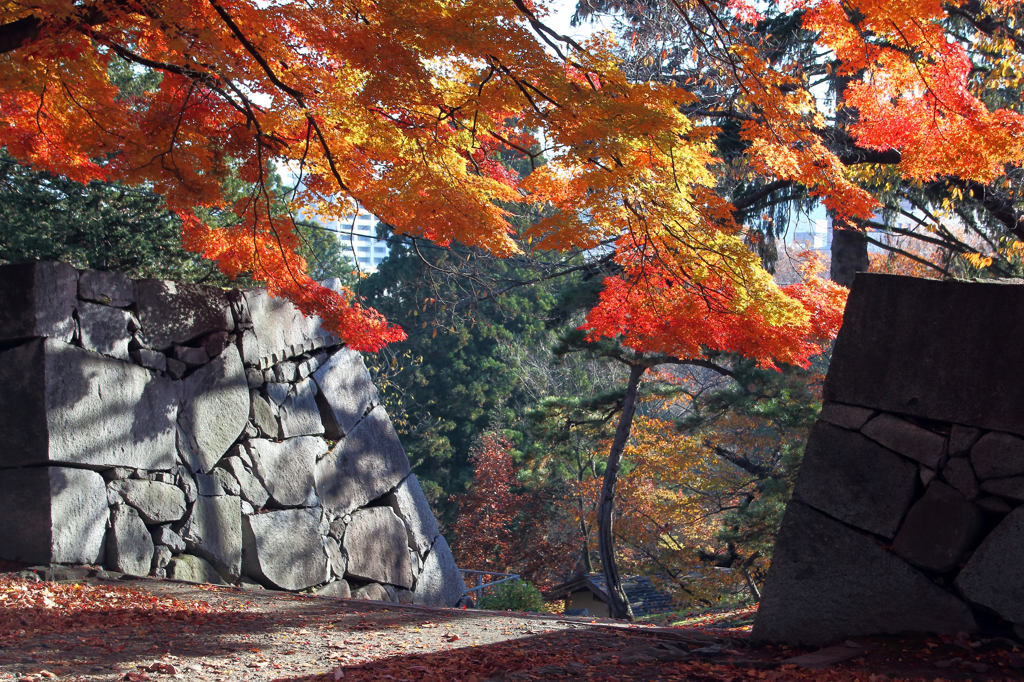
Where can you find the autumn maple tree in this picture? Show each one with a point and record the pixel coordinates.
(407, 108)
(500, 527)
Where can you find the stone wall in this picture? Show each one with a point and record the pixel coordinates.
(195, 433)
(906, 515)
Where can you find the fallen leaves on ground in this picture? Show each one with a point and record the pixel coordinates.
(152, 630)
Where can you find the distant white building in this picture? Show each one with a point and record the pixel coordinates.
(814, 234)
(357, 234)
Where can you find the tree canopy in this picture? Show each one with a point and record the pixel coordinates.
(407, 109)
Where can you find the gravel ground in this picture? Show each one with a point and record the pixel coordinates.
(265, 635)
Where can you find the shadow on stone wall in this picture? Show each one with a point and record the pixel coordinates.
(188, 432)
(906, 513)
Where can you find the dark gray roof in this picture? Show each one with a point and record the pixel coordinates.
(644, 598)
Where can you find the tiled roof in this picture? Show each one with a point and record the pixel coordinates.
(644, 598)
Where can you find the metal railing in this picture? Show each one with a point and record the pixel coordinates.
(480, 584)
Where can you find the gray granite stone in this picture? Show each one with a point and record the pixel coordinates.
(284, 549)
(339, 589)
(994, 577)
(412, 507)
(994, 505)
(214, 411)
(213, 531)
(998, 455)
(440, 582)
(39, 300)
(338, 560)
(855, 480)
(63, 404)
(215, 343)
(193, 569)
(376, 544)
(903, 348)
(209, 485)
(367, 463)
(106, 287)
(162, 556)
(175, 368)
(828, 582)
(959, 474)
(163, 535)
(52, 515)
(173, 313)
(286, 469)
(154, 501)
(129, 544)
(346, 391)
(371, 592)
(227, 481)
(961, 439)
(939, 529)
(279, 330)
(249, 485)
(847, 416)
(191, 357)
(299, 413)
(150, 359)
(104, 330)
(907, 439)
(262, 415)
(1011, 488)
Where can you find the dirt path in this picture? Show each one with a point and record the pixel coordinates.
(105, 630)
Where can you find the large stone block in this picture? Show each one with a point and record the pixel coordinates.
(213, 531)
(155, 502)
(64, 404)
(998, 455)
(104, 329)
(412, 507)
(371, 592)
(285, 549)
(346, 391)
(377, 547)
(367, 463)
(193, 569)
(286, 469)
(827, 582)
(279, 330)
(907, 439)
(173, 313)
(129, 545)
(52, 514)
(339, 589)
(994, 577)
(846, 416)
(214, 411)
(902, 349)
(39, 299)
(1011, 488)
(299, 413)
(249, 485)
(439, 582)
(959, 474)
(855, 480)
(106, 287)
(939, 529)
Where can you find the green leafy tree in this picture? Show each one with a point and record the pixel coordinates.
(96, 225)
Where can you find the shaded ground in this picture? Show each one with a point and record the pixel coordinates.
(98, 629)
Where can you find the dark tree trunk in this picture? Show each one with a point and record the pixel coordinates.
(849, 254)
(588, 565)
(849, 245)
(618, 604)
